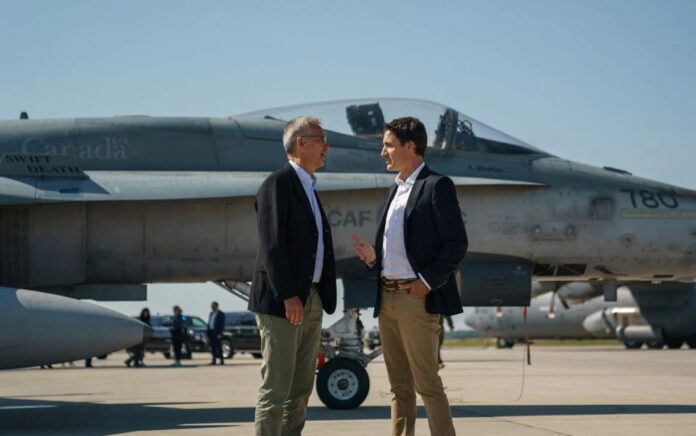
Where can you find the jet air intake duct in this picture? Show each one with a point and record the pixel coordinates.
(493, 280)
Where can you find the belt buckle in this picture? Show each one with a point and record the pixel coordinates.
(392, 286)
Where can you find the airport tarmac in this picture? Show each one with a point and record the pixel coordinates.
(587, 390)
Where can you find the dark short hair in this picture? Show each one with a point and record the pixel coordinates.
(409, 129)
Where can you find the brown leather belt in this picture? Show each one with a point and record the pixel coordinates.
(392, 286)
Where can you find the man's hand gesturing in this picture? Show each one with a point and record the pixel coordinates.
(364, 250)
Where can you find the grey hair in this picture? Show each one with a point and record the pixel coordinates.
(296, 127)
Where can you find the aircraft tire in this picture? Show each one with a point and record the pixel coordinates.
(633, 345)
(342, 383)
(655, 345)
(691, 342)
(504, 343)
(674, 343)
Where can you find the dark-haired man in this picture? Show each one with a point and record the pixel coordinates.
(294, 279)
(420, 241)
(178, 332)
(216, 328)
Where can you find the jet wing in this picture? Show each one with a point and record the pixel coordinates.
(168, 185)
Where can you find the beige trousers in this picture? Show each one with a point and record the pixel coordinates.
(410, 341)
(287, 373)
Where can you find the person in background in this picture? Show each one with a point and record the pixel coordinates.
(145, 319)
(177, 331)
(450, 324)
(136, 353)
(216, 327)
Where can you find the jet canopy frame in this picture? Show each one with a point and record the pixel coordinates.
(448, 129)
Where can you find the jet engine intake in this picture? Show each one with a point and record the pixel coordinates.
(493, 280)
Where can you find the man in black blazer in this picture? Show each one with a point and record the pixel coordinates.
(216, 328)
(294, 279)
(420, 241)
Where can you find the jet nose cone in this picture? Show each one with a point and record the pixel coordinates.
(147, 332)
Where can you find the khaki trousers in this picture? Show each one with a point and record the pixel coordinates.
(287, 373)
(410, 341)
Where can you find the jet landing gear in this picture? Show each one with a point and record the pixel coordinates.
(342, 381)
(504, 343)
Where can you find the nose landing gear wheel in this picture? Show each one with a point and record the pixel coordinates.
(674, 343)
(342, 384)
(655, 345)
(633, 345)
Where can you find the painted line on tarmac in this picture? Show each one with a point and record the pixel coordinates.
(44, 406)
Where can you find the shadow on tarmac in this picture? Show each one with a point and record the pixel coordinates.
(52, 417)
(184, 364)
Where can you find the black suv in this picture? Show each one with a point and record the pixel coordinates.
(161, 341)
(241, 334)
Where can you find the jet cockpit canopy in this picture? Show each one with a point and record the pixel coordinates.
(448, 129)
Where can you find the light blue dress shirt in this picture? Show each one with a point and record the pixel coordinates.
(309, 184)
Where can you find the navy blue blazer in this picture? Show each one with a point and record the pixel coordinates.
(435, 239)
(219, 326)
(287, 247)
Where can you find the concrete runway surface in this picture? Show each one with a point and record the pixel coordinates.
(588, 390)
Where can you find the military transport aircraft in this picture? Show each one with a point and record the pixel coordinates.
(98, 207)
(655, 315)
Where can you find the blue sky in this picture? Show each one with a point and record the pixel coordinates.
(600, 82)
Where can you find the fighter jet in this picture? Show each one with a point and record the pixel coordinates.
(654, 315)
(99, 207)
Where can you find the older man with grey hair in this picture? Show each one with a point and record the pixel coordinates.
(294, 279)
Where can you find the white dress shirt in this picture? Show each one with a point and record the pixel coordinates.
(395, 264)
(211, 320)
(309, 183)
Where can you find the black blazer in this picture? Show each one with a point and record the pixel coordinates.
(435, 239)
(219, 326)
(287, 245)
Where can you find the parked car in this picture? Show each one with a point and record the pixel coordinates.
(196, 338)
(241, 334)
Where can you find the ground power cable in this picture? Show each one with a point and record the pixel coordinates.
(526, 361)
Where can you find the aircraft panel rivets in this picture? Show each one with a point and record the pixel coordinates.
(627, 239)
